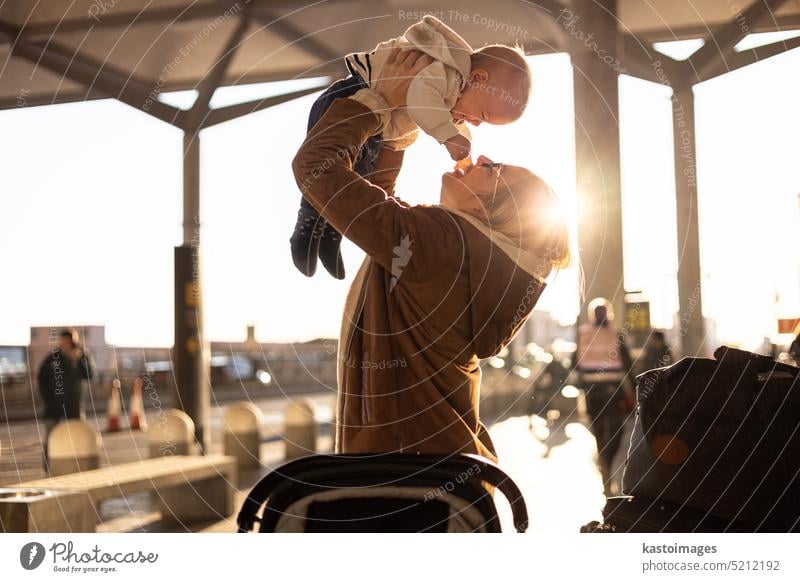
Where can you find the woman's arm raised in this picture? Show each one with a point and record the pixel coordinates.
(360, 210)
(387, 167)
(392, 87)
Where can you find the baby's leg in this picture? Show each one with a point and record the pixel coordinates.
(310, 226)
(313, 237)
(331, 241)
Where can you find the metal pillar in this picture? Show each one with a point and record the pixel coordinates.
(190, 353)
(595, 46)
(690, 316)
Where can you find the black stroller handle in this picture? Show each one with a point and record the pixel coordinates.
(498, 478)
(488, 472)
(247, 517)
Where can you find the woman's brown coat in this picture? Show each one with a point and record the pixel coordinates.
(433, 297)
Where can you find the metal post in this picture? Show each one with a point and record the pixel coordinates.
(191, 362)
(690, 316)
(595, 46)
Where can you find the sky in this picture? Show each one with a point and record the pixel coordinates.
(90, 208)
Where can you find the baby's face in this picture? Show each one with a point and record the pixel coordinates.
(483, 101)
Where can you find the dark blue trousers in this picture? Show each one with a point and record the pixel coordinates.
(338, 90)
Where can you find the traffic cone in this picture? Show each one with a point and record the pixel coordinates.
(114, 407)
(137, 418)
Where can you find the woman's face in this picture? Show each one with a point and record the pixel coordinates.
(468, 190)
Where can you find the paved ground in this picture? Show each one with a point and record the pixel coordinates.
(554, 467)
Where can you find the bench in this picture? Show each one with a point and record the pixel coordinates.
(189, 488)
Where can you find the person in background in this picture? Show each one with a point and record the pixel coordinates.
(603, 363)
(60, 376)
(794, 350)
(656, 353)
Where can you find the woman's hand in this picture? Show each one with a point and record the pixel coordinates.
(400, 68)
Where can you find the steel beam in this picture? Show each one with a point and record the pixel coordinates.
(223, 114)
(719, 44)
(754, 55)
(209, 84)
(281, 26)
(167, 16)
(70, 64)
(641, 60)
(701, 29)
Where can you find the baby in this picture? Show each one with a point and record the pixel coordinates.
(461, 86)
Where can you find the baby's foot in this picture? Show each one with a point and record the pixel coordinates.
(330, 253)
(305, 240)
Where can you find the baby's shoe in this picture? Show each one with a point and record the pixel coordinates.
(305, 240)
(329, 252)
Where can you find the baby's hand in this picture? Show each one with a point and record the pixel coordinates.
(464, 164)
(458, 147)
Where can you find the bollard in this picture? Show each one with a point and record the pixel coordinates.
(300, 429)
(243, 421)
(73, 446)
(172, 433)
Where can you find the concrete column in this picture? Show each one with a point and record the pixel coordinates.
(191, 357)
(595, 46)
(690, 317)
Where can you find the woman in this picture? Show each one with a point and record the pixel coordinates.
(441, 287)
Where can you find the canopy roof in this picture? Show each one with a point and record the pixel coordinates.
(57, 51)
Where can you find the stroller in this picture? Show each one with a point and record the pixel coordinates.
(630, 514)
(716, 448)
(371, 493)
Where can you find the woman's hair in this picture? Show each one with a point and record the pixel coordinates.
(528, 212)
